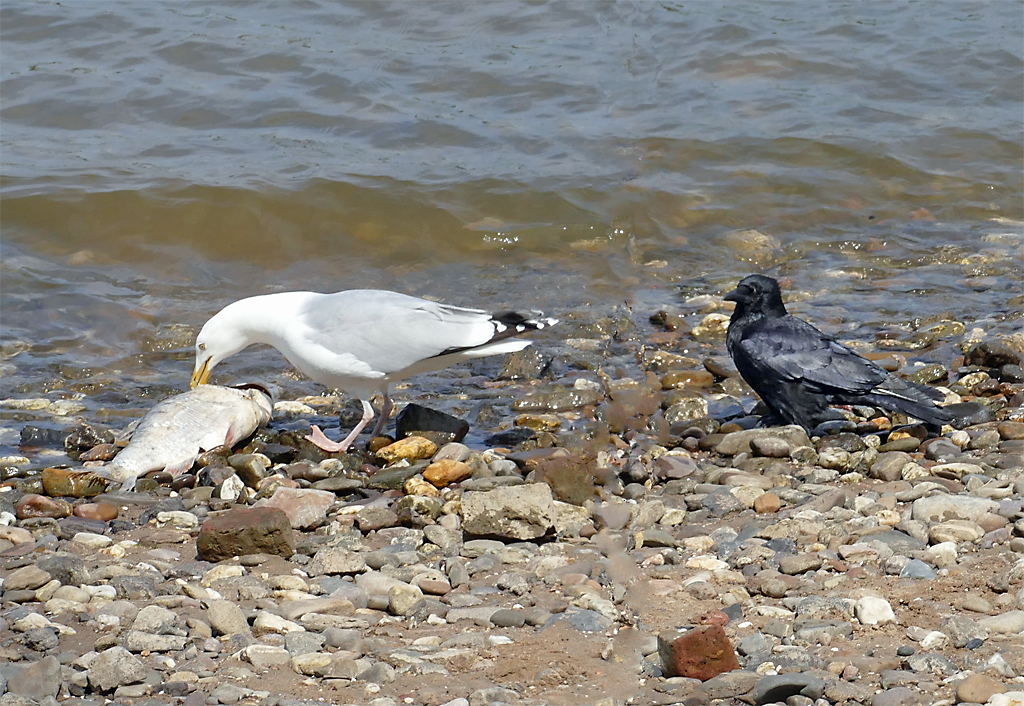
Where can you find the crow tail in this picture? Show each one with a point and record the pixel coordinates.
(918, 401)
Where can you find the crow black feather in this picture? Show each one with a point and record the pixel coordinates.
(799, 371)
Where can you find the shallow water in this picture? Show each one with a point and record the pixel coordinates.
(162, 159)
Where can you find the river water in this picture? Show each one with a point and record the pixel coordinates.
(161, 159)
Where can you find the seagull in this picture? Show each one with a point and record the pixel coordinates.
(359, 341)
(798, 371)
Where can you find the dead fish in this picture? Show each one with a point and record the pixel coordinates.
(178, 429)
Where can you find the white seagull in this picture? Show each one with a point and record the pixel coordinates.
(359, 341)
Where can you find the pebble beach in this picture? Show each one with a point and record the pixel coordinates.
(623, 536)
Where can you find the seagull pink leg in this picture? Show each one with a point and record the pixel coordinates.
(385, 415)
(320, 440)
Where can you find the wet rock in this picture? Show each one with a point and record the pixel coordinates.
(101, 512)
(305, 508)
(395, 478)
(245, 531)
(33, 436)
(32, 505)
(966, 414)
(556, 399)
(62, 482)
(522, 512)
(441, 428)
(445, 471)
(84, 437)
(412, 448)
(739, 441)
(527, 364)
(251, 468)
(687, 409)
(992, 354)
(674, 466)
(701, 653)
(512, 437)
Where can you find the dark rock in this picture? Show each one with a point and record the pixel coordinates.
(991, 354)
(779, 687)
(734, 611)
(66, 568)
(832, 427)
(512, 437)
(722, 503)
(41, 639)
(846, 441)
(966, 414)
(33, 436)
(416, 418)
(165, 505)
(394, 478)
(527, 364)
(214, 475)
(84, 437)
(245, 531)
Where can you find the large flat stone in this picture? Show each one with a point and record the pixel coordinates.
(519, 512)
(256, 530)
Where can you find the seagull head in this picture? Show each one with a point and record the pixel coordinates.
(757, 294)
(221, 337)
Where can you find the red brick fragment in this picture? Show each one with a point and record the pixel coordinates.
(701, 653)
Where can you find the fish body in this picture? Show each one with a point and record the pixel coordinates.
(173, 434)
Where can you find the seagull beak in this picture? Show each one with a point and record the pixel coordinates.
(201, 374)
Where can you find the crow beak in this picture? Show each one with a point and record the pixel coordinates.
(733, 296)
(201, 374)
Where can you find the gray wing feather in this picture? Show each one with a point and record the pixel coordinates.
(390, 331)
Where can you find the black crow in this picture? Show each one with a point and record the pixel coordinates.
(799, 371)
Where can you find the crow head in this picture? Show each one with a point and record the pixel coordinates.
(757, 294)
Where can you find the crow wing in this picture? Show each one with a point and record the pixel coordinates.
(791, 350)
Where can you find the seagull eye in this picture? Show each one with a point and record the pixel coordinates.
(201, 346)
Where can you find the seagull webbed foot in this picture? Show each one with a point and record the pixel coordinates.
(320, 440)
